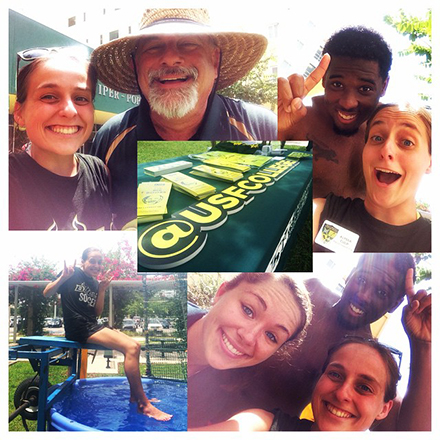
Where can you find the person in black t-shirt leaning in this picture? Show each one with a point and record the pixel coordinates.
(82, 299)
(396, 155)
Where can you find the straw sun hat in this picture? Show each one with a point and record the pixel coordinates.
(240, 51)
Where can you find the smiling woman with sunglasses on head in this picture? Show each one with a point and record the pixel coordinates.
(82, 300)
(51, 186)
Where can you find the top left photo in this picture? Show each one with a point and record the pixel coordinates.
(74, 123)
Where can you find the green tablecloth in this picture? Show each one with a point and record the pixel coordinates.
(255, 239)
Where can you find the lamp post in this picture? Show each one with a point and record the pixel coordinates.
(147, 342)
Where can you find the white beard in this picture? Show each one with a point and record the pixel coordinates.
(173, 103)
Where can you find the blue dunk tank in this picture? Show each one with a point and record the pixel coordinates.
(96, 404)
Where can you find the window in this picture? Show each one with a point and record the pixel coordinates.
(310, 68)
(72, 21)
(318, 53)
(273, 30)
(113, 35)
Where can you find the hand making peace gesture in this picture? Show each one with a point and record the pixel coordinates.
(416, 316)
(293, 90)
(68, 271)
(105, 280)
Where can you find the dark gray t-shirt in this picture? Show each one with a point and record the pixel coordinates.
(375, 235)
(78, 299)
(42, 200)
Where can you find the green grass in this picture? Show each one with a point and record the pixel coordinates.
(20, 371)
(170, 371)
(149, 151)
(300, 258)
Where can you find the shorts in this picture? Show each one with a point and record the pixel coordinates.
(82, 331)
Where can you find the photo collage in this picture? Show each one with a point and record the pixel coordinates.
(219, 217)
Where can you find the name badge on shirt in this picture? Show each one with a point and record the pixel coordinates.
(336, 238)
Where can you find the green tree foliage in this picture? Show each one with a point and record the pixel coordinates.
(120, 263)
(258, 86)
(173, 307)
(179, 306)
(136, 306)
(203, 287)
(423, 267)
(33, 306)
(419, 33)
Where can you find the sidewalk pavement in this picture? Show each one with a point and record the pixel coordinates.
(99, 364)
(102, 365)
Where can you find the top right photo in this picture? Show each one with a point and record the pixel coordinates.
(356, 85)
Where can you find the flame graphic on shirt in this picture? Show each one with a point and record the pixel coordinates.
(77, 225)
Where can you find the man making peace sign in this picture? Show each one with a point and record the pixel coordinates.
(354, 73)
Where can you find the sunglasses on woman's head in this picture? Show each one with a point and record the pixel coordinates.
(397, 354)
(34, 53)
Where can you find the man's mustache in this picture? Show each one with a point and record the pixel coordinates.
(178, 72)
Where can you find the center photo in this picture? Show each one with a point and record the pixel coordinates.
(224, 206)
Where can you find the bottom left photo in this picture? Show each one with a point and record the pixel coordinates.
(93, 345)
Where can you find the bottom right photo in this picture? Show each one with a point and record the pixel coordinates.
(345, 348)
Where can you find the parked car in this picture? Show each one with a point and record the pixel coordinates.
(11, 321)
(54, 323)
(155, 325)
(165, 323)
(128, 324)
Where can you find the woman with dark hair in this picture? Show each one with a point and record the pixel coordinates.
(51, 186)
(82, 300)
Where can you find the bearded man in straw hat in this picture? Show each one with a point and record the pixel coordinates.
(176, 63)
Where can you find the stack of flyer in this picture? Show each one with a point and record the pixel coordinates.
(189, 185)
(152, 201)
(171, 167)
(251, 160)
(299, 154)
(216, 173)
(227, 164)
